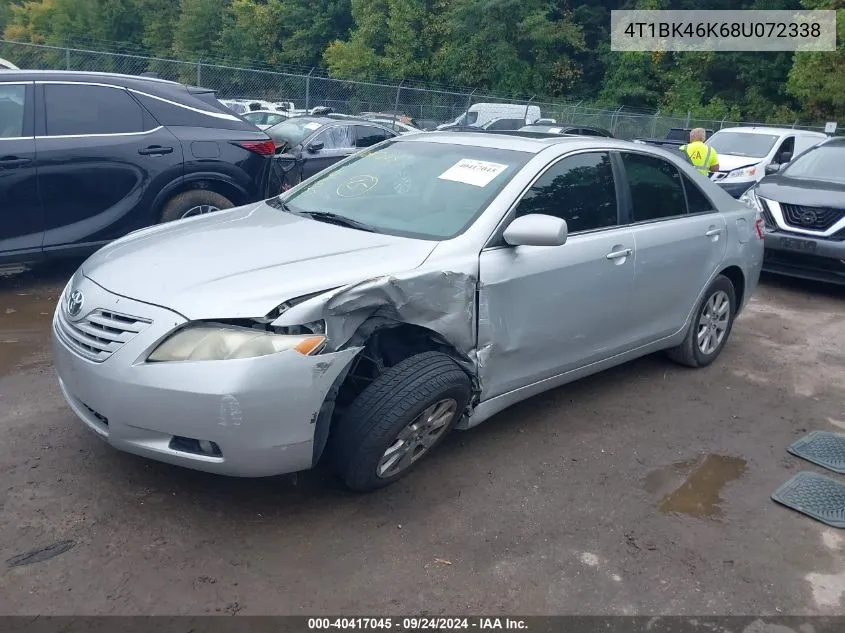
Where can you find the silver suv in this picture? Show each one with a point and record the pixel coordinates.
(422, 284)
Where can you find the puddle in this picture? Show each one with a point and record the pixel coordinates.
(701, 483)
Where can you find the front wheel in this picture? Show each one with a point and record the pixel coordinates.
(399, 419)
(710, 328)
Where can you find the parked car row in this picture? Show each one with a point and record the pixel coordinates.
(86, 158)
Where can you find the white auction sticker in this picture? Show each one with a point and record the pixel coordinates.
(473, 172)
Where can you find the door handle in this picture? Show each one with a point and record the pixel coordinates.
(713, 232)
(153, 150)
(625, 252)
(14, 161)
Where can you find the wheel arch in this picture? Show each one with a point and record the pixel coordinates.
(383, 344)
(217, 183)
(737, 278)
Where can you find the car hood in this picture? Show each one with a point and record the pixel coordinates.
(800, 191)
(727, 162)
(245, 262)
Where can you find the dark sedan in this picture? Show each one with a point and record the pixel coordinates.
(577, 130)
(307, 145)
(803, 208)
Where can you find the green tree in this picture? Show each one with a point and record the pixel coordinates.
(198, 28)
(818, 79)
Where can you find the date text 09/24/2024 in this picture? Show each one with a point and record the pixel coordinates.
(417, 624)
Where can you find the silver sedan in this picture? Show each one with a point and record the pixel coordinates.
(421, 285)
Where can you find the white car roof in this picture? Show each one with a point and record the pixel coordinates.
(762, 129)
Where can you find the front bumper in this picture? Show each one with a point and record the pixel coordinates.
(805, 257)
(261, 412)
(736, 187)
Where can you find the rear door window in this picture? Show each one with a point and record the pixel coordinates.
(12, 110)
(656, 188)
(368, 135)
(83, 109)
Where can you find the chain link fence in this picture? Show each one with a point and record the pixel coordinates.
(429, 106)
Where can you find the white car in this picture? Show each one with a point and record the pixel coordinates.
(746, 152)
(263, 119)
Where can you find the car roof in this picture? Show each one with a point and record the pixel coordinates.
(529, 144)
(80, 75)
(763, 129)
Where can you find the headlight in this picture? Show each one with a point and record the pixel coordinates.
(745, 172)
(209, 342)
(750, 199)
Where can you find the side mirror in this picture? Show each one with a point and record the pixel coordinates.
(313, 148)
(772, 168)
(536, 230)
(785, 157)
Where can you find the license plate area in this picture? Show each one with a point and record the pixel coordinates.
(795, 244)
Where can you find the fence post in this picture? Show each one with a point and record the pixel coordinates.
(574, 108)
(308, 89)
(796, 123)
(67, 58)
(654, 123)
(722, 122)
(614, 118)
(469, 103)
(689, 116)
(199, 71)
(396, 105)
(528, 105)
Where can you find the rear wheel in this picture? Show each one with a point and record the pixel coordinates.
(710, 328)
(194, 202)
(398, 419)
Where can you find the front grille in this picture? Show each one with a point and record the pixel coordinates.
(811, 218)
(805, 260)
(768, 218)
(100, 334)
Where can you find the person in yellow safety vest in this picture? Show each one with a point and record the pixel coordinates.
(704, 158)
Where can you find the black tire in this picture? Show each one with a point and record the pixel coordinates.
(689, 352)
(387, 407)
(182, 203)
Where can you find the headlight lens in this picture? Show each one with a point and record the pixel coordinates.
(745, 172)
(209, 342)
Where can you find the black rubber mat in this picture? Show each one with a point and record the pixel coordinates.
(815, 495)
(823, 448)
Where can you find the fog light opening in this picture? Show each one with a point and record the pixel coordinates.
(195, 446)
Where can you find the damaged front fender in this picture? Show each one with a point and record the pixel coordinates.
(438, 300)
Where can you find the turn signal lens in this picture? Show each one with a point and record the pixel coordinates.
(310, 345)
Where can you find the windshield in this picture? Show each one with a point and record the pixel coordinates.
(821, 163)
(417, 189)
(743, 144)
(293, 131)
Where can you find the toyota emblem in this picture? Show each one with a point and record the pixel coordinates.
(808, 217)
(74, 302)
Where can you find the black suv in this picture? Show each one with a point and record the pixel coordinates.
(88, 157)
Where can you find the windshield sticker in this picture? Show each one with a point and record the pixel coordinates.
(312, 126)
(555, 130)
(356, 186)
(478, 173)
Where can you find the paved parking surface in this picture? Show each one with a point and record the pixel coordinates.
(642, 490)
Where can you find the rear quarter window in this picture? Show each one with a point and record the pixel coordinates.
(193, 112)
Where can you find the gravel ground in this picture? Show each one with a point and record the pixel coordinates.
(641, 490)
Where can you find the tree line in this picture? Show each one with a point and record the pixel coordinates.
(553, 49)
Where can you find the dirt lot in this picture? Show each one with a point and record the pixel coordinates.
(642, 490)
